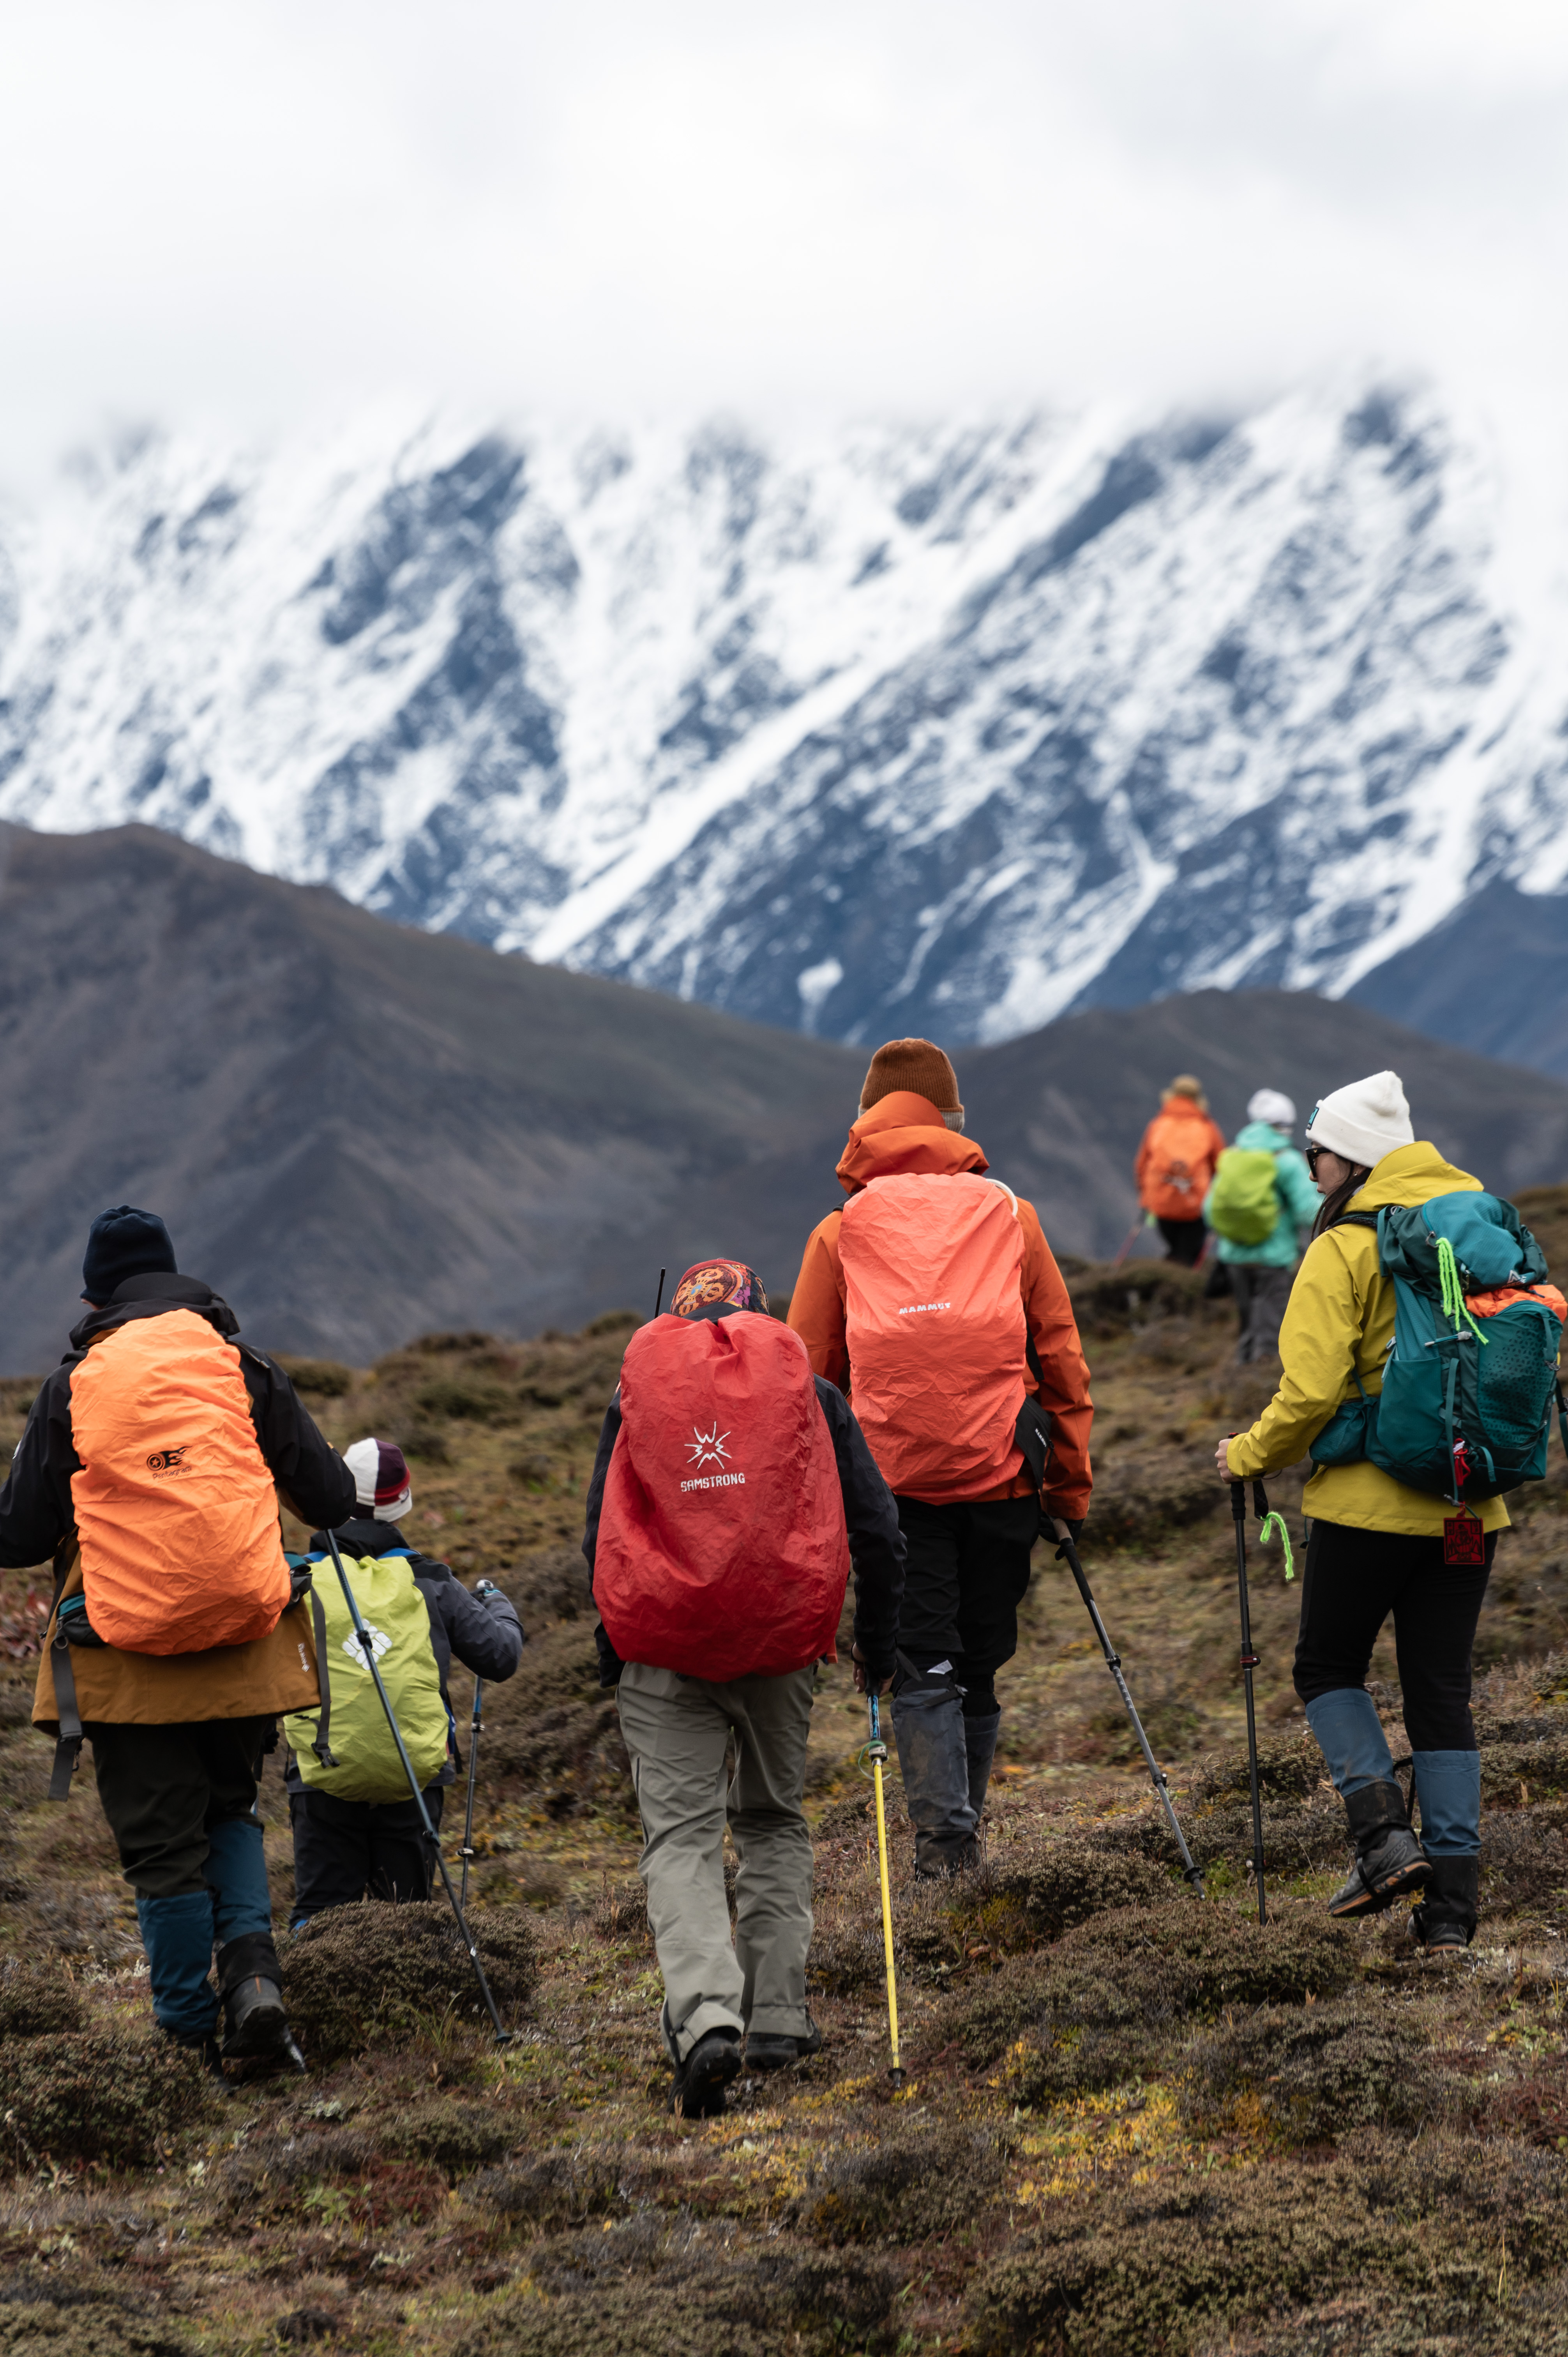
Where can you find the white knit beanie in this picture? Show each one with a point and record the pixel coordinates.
(1272, 1104)
(1364, 1122)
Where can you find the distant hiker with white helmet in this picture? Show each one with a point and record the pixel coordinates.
(730, 1495)
(934, 1290)
(348, 1847)
(151, 1469)
(1176, 1162)
(1259, 1205)
(1419, 1350)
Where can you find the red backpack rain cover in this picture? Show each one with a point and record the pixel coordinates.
(934, 1323)
(722, 1551)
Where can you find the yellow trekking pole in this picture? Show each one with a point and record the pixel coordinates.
(876, 1752)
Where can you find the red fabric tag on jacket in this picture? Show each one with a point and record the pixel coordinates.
(1464, 1540)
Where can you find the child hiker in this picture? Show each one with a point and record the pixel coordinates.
(731, 1491)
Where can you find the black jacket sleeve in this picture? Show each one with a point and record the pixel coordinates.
(36, 1509)
(310, 1473)
(610, 1663)
(875, 1541)
(486, 1636)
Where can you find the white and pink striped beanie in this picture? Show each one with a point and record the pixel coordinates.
(380, 1479)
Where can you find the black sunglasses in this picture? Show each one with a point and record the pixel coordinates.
(1312, 1154)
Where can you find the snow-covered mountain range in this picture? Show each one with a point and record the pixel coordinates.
(943, 729)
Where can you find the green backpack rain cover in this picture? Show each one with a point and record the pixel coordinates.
(1466, 1407)
(1245, 1205)
(358, 1736)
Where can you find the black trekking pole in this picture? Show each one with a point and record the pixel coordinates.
(1248, 1664)
(368, 1646)
(475, 1723)
(659, 1297)
(1068, 1547)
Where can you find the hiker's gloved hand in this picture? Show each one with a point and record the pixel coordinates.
(1073, 1529)
(860, 1675)
(486, 1590)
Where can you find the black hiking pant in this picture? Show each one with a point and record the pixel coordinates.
(1353, 1580)
(347, 1850)
(1183, 1240)
(964, 1578)
(166, 1789)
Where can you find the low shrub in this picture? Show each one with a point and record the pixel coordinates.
(561, 2189)
(1056, 1884)
(46, 2316)
(371, 1974)
(98, 2096)
(919, 2179)
(458, 2137)
(37, 1999)
(327, 1378)
(1314, 2073)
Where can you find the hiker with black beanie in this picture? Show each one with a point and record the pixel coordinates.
(934, 1288)
(729, 1498)
(1377, 1546)
(151, 1467)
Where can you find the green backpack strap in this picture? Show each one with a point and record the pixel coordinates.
(300, 1567)
(1562, 1417)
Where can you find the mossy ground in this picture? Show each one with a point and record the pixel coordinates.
(1132, 2121)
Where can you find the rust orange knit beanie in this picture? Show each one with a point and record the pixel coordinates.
(918, 1065)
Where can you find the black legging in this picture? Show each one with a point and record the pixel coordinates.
(1353, 1580)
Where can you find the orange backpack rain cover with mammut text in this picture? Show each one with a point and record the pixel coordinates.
(722, 1551)
(935, 1327)
(175, 1511)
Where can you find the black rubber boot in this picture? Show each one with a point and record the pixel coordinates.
(1389, 1861)
(769, 2050)
(698, 2092)
(205, 2045)
(1445, 1920)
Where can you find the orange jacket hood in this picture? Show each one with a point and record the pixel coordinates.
(902, 1134)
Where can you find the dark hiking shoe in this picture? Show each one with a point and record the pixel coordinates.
(256, 2029)
(769, 2050)
(1445, 1922)
(206, 2045)
(698, 2091)
(1389, 1861)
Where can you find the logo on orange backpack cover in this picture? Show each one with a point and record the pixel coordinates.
(708, 1449)
(165, 1460)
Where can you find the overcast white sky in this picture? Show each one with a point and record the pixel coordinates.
(236, 212)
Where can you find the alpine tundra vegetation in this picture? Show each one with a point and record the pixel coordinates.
(1134, 2121)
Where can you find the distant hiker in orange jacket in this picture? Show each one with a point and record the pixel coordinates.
(935, 1293)
(151, 1469)
(1176, 1166)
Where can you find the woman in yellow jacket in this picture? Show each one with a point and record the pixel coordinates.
(1376, 1546)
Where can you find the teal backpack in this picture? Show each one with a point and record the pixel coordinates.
(1466, 1407)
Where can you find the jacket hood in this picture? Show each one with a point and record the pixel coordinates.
(1261, 1138)
(1184, 1109)
(904, 1135)
(149, 1296)
(1410, 1174)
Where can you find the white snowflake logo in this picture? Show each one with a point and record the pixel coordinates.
(708, 1447)
(381, 1643)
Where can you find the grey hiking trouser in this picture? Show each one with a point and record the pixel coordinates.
(677, 1730)
(1262, 1296)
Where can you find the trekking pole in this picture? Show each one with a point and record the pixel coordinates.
(659, 1297)
(475, 1723)
(1139, 1224)
(1248, 1664)
(876, 1752)
(1193, 1871)
(368, 1646)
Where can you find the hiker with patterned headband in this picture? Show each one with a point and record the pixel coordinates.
(730, 1494)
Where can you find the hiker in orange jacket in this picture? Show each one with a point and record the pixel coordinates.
(968, 1563)
(1176, 1168)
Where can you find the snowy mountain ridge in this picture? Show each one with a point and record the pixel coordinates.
(896, 729)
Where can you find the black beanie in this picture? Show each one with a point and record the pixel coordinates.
(120, 1244)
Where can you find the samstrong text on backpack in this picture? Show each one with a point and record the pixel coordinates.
(1245, 1207)
(175, 1508)
(347, 1747)
(1471, 1377)
(722, 1550)
(935, 1329)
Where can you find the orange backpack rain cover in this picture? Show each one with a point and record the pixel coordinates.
(722, 1551)
(935, 1327)
(175, 1508)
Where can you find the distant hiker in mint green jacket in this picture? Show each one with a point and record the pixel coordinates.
(1259, 1260)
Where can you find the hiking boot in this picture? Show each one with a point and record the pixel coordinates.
(256, 2026)
(697, 2092)
(979, 1749)
(204, 2044)
(769, 2050)
(1445, 1922)
(1389, 1861)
